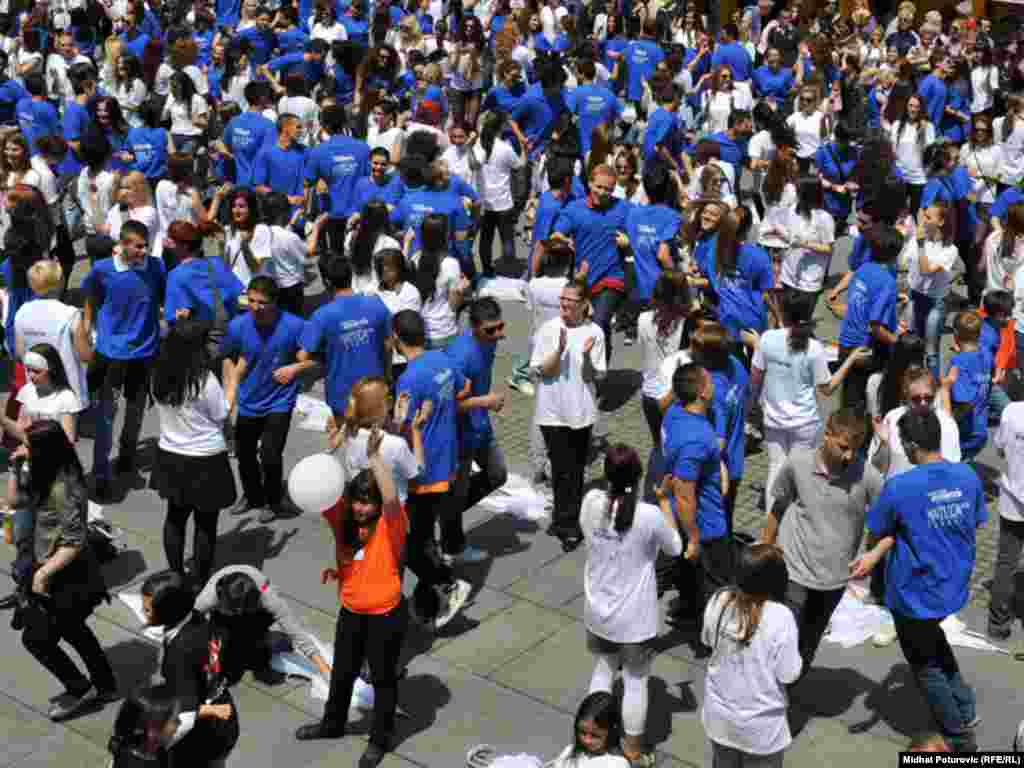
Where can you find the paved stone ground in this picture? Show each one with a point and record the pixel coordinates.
(512, 668)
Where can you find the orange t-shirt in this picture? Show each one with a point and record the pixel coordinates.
(370, 582)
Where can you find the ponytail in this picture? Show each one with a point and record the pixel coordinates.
(623, 470)
(623, 502)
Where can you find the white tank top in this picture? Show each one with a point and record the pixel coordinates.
(48, 321)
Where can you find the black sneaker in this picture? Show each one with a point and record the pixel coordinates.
(269, 676)
(102, 491)
(6, 603)
(372, 756)
(69, 704)
(124, 465)
(318, 730)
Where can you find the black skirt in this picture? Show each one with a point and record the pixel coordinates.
(201, 482)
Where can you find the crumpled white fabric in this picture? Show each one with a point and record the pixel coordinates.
(503, 289)
(313, 413)
(517, 497)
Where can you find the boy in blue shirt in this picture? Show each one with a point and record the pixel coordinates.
(997, 310)
(430, 377)
(971, 387)
(281, 167)
(642, 58)
(472, 354)
(126, 291)
(694, 459)
(248, 134)
(926, 520)
(36, 116)
(264, 385)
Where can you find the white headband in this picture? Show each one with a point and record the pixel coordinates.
(36, 361)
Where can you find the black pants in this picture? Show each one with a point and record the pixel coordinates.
(656, 464)
(698, 581)
(812, 609)
(44, 629)
(567, 451)
(422, 554)
(974, 275)
(292, 299)
(108, 376)
(377, 639)
(246, 640)
(204, 539)
(855, 385)
(333, 237)
(505, 223)
(914, 194)
(261, 477)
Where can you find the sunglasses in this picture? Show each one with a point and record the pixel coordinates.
(494, 330)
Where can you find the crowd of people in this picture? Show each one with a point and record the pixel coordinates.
(681, 180)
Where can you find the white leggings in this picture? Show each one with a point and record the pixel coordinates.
(634, 687)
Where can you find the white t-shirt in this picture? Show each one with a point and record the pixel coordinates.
(308, 113)
(48, 321)
(718, 106)
(95, 194)
(457, 159)
(803, 268)
(789, 393)
(164, 73)
(183, 121)
(51, 407)
(898, 461)
(1001, 273)
(760, 147)
(288, 252)
(144, 215)
(673, 362)
(197, 427)
(367, 284)
(47, 181)
(543, 299)
(935, 284)
(172, 204)
(910, 153)
(1012, 148)
(984, 84)
(396, 454)
(260, 247)
(744, 690)
(566, 400)
(1018, 295)
(728, 183)
(496, 175)
(808, 132)
(131, 96)
(1009, 441)
(406, 297)
(655, 348)
(329, 33)
(984, 162)
(438, 315)
(619, 580)
(566, 760)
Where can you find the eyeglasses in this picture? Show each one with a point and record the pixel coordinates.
(922, 399)
(494, 330)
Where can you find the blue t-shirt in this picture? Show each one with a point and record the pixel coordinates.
(871, 298)
(432, 376)
(136, 46)
(860, 253)
(311, 70)
(265, 350)
(36, 119)
(228, 12)
(358, 29)
(648, 226)
(149, 146)
(262, 44)
(292, 40)
(741, 294)
(475, 361)
(972, 386)
(283, 170)
(837, 169)
(773, 85)
(1009, 197)
(246, 135)
(736, 57)
(368, 190)
(691, 453)
(594, 233)
(954, 189)
(642, 57)
(536, 115)
(128, 322)
(16, 299)
(76, 118)
(990, 339)
(349, 334)
(188, 287)
(933, 92)
(341, 162)
(593, 105)
(730, 151)
(417, 204)
(933, 510)
(662, 131)
(728, 411)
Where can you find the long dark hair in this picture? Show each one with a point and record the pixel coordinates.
(492, 126)
(623, 470)
(363, 487)
(808, 197)
(602, 709)
(182, 365)
(58, 376)
(52, 455)
(233, 64)
(183, 89)
(908, 352)
(434, 234)
(138, 728)
(372, 224)
(671, 300)
(798, 319)
(762, 575)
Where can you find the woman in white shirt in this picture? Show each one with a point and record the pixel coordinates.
(287, 253)
(133, 204)
(129, 88)
(567, 361)
(623, 540)
(188, 111)
(370, 236)
(497, 159)
(722, 97)
(247, 249)
(984, 81)
(191, 471)
(45, 396)
(982, 156)
(779, 198)
(930, 257)
(16, 163)
(910, 134)
(754, 655)
(326, 26)
(177, 199)
(788, 372)
(384, 133)
(1004, 253)
(440, 282)
(811, 127)
(95, 188)
(810, 234)
(1009, 132)
(397, 293)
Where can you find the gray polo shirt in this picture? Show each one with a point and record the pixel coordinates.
(823, 519)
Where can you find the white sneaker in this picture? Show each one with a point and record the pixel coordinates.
(458, 593)
(472, 554)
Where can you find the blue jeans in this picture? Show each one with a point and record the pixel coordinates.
(929, 322)
(603, 307)
(109, 376)
(470, 488)
(938, 676)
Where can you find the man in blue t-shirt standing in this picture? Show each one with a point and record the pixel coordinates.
(694, 459)
(350, 334)
(926, 519)
(246, 135)
(264, 385)
(430, 377)
(126, 291)
(472, 354)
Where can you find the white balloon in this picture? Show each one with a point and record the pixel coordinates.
(316, 483)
